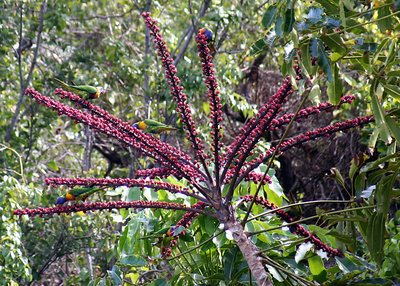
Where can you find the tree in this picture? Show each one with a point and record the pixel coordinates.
(212, 179)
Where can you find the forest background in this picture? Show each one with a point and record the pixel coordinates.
(347, 47)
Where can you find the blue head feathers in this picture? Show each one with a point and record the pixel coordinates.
(60, 200)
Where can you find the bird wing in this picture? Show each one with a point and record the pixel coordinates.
(153, 123)
(60, 82)
(86, 88)
(157, 127)
(83, 193)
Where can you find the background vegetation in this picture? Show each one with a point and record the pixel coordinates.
(355, 45)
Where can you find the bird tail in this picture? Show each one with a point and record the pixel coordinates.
(60, 82)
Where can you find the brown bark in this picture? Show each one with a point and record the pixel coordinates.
(249, 251)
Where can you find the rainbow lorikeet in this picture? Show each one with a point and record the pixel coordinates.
(78, 194)
(164, 236)
(209, 36)
(152, 126)
(85, 91)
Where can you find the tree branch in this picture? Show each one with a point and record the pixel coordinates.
(43, 8)
(190, 31)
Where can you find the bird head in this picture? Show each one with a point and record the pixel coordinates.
(101, 90)
(135, 125)
(60, 200)
(207, 33)
(142, 125)
(171, 230)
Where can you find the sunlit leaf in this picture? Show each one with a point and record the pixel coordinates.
(335, 88)
(269, 16)
(375, 236)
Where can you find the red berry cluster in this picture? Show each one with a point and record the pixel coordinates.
(213, 98)
(186, 221)
(244, 143)
(103, 122)
(305, 113)
(101, 206)
(302, 138)
(176, 89)
(295, 228)
(89, 182)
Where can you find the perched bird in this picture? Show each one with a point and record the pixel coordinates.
(209, 36)
(152, 126)
(85, 91)
(78, 194)
(164, 236)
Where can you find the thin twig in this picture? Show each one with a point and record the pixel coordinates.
(197, 246)
(310, 218)
(297, 204)
(24, 86)
(191, 31)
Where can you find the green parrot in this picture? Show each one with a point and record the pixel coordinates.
(209, 36)
(78, 194)
(85, 91)
(152, 126)
(164, 236)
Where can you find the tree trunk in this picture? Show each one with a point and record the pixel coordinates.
(249, 251)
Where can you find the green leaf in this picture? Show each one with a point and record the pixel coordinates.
(380, 118)
(316, 265)
(383, 194)
(133, 194)
(348, 4)
(259, 46)
(314, 47)
(342, 15)
(367, 47)
(315, 95)
(375, 236)
(133, 260)
(347, 265)
(393, 126)
(335, 174)
(269, 16)
(335, 88)
(330, 6)
(114, 275)
(381, 46)
(324, 61)
(306, 57)
(393, 90)
(373, 138)
(289, 21)
(278, 26)
(123, 240)
(159, 282)
(384, 24)
(375, 164)
(229, 260)
(335, 43)
(345, 238)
